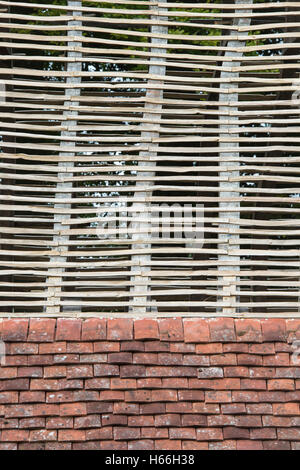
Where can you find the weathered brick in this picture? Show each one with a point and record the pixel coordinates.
(123, 384)
(146, 329)
(8, 372)
(179, 407)
(120, 358)
(73, 409)
(132, 371)
(80, 372)
(288, 434)
(128, 409)
(233, 408)
(14, 330)
(29, 423)
(190, 395)
(209, 434)
(209, 348)
(55, 372)
(8, 397)
(126, 433)
(279, 359)
(41, 330)
(164, 395)
(264, 348)
(264, 433)
(111, 395)
(244, 396)
(223, 359)
(182, 433)
(90, 421)
(168, 359)
(31, 397)
(222, 329)
(15, 435)
(175, 382)
(218, 397)
(286, 409)
(99, 407)
(155, 433)
(196, 331)
(232, 432)
(139, 421)
(43, 435)
(106, 346)
(133, 346)
(277, 445)
(141, 445)
(271, 396)
(93, 329)
(206, 408)
(97, 384)
(221, 420)
(53, 348)
(194, 420)
(249, 445)
(224, 445)
(152, 408)
(59, 423)
(253, 384)
(72, 435)
(248, 330)
(40, 360)
(274, 329)
(259, 409)
(249, 360)
(120, 329)
(281, 384)
(196, 360)
(23, 348)
(157, 346)
(145, 358)
(210, 372)
(112, 420)
(14, 384)
(68, 329)
(140, 396)
(106, 370)
(150, 383)
(236, 371)
(171, 329)
(76, 347)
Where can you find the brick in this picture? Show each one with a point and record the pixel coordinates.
(194, 420)
(31, 397)
(32, 372)
(139, 421)
(182, 407)
(215, 384)
(93, 358)
(164, 395)
(93, 329)
(123, 384)
(196, 360)
(126, 433)
(236, 371)
(45, 410)
(223, 360)
(59, 423)
(113, 445)
(145, 358)
(120, 358)
(29, 423)
(133, 346)
(293, 330)
(287, 373)
(167, 359)
(65, 396)
(97, 384)
(146, 329)
(277, 421)
(233, 408)
(80, 372)
(259, 409)
(153, 408)
(190, 395)
(253, 384)
(248, 421)
(209, 434)
(99, 407)
(163, 444)
(272, 396)
(217, 397)
(175, 382)
(279, 359)
(106, 346)
(210, 372)
(23, 348)
(120, 329)
(206, 408)
(171, 329)
(40, 360)
(274, 329)
(79, 348)
(249, 360)
(225, 445)
(209, 348)
(220, 420)
(8, 397)
(72, 435)
(196, 331)
(155, 433)
(283, 347)
(41, 330)
(68, 329)
(85, 395)
(16, 361)
(286, 409)
(141, 445)
(32, 446)
(187, 348)
(132, 371)
(127, 409)
(264, 348)
(264, 433)
(53, 348)
(157, 346)
(140, 396)
(287, 434)
(18, 411)
(14, 330)
(15, 435)
(262, 372)
(73, 409)
(232, 432)
(222, 329)
(235, 348)
(55, 384)
(8, 372)
(149, 383)
(14, 384)
(277, 445)
(90, 421)
(8, 446)
(182, 433)
(249, 445)
(248, 330)
(43, 435)
(281, 384)
(111, 395)
(55, 372)
(244, 396)
(105, 370)
(112, 420)
(58, 446)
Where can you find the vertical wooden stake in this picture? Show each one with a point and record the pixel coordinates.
(229, 189)
(142, 230)
(56, 274)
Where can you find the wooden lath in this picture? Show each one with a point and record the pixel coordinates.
(149, 103)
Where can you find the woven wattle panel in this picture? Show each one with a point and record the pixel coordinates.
(108, 110)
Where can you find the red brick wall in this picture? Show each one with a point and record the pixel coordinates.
(149, 384)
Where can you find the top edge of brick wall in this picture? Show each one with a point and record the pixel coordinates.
(196, 330)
